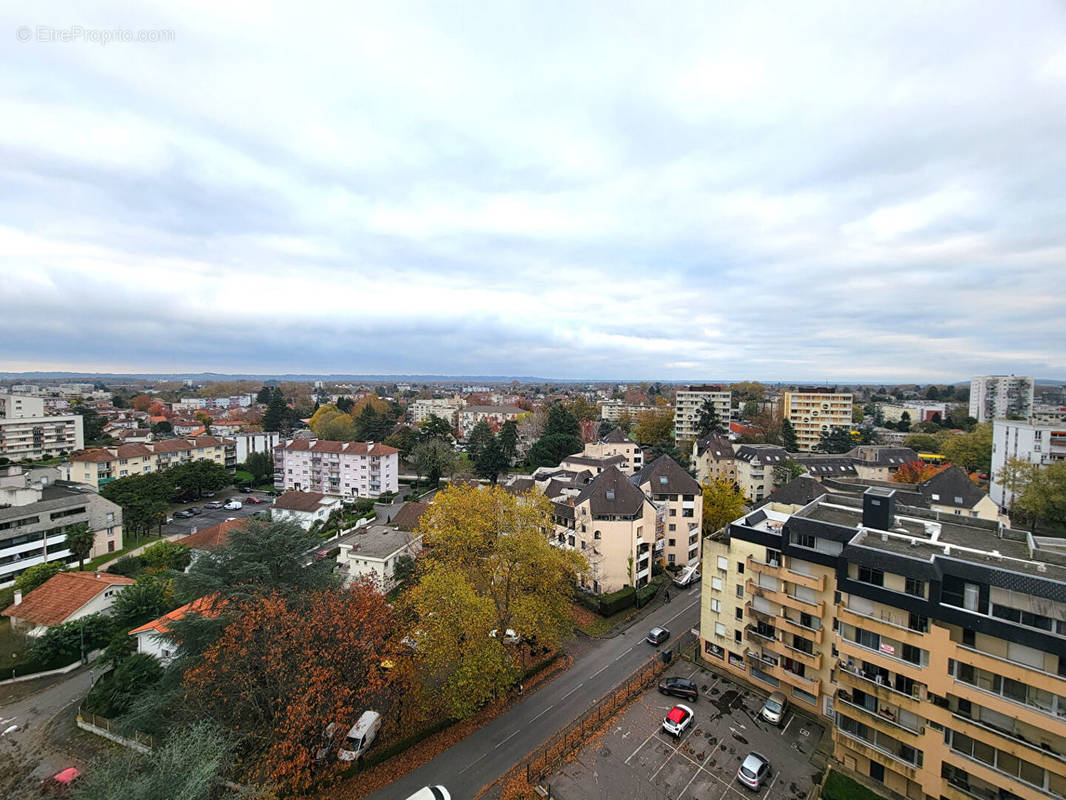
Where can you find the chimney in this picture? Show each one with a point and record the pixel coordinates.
(96, 574)
(18, 596)
(878, 508)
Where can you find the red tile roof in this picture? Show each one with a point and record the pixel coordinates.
(204, 606)
(353, 448)
(299, 501)
(133, 451)
(407, 517)
(96, 454)
(57, 598)
(210, 538)
(171, 446)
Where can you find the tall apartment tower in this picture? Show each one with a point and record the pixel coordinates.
(689, 401)
(813, 411)
(997, 396)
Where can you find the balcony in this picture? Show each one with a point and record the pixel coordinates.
(882, 715)
(857, 653)
(785, 574)
(852, 677)
(884, 757)
(785, 599)
(812, 660)
(753, 635)
(785, 624)
(882, 625)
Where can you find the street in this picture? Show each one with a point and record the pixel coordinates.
(489, 752)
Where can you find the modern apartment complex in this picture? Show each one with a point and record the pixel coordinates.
(995, 396)
(347, 469)
(27, 432)
(935, 645)
(611, 410)
(445, 407)
(101, 465)
(813, 411)
(1036, 443)
(689, 402)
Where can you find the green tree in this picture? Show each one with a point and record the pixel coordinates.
(92, 424)
(478, 440)
(787, 470)
(403, 570)
(550, 449)
(561, 422)
(932, 393)
(261, 467)
(723, 502)
(1042, 492)
(144, 499)
(491, 461)
(835, 440)
(276, 416)
(971, 451)
(750, 409)
(655, 427)
(162, 428)
(264, 395)
(433, 458)
(904, 423)
(922, 443)
(709, 422)
(404, 439)
(345, 404)
(80, 540)
(436, 428)
(201, 476)
(788, 436)
(147, 599)
(508, 438)
(112, 695)
(34, 576)
(166, 555)
(62, 644)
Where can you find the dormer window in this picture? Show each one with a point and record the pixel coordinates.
(610, 494)
(662, 480)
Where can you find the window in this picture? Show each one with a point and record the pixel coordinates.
(719, 629)
(971, 596)
(872, 576)
(915, 587)
(672, 527)
(740, 567)
(723, 563)
(740, 613)
(740, 592)
(716, 606)
(671, 542)
(804, 540)
(716, 584)
(736, 636)
(596, 535)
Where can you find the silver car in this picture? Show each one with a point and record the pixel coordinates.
(754, 771)
(773, 710)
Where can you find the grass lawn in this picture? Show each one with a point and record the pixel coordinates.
(841, 787)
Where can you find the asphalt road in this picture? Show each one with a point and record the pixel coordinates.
(211, 517)
(489, 752)
(25, 720)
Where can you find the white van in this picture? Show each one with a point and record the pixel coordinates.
(360, 737)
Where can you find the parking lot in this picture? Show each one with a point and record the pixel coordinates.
(637, 759)
(210, 517)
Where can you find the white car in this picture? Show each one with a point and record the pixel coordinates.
(679, 718)
(232, 505)
(431, 793)
(509, 636)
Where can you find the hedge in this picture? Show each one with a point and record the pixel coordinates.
(841, 787)
(608, 605)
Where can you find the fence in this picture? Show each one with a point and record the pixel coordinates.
(549, 756)
(102, 726)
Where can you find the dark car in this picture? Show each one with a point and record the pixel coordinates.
(184, 514)
(657, 636)
(244, 489)
(195, 511)
(679, 687)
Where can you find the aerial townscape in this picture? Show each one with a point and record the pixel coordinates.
(516, 402)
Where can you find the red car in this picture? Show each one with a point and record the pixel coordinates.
(253, 500)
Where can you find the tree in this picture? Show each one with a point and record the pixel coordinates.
(904, 423)
(260, 465)
(1043, 497)
(922, 443)
(723, 502)
(581, 409)
(749, 409)
(162, 428)
(748, 391)
(80, 540)
(433, 458)
(92, 424)
(488, 566)
(478, 440)
(264, 396)
(788, 436)
(835, 440)
(147, 599)
(404, 569)
(491, 461)
(112, 695)
(286, 665)
(708, 422)
(141, 402)
(436, 428)
(916, 472)
(404, 439)
(162, 556)
(201, 476)
(276, 416)
(550, 449)
(932, 393)
(508, 438)
(654, 427)
(34, 576)
(561, 422)
(787, 470)
(971, 451)
(204, 419)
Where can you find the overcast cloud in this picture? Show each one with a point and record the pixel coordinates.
(850, 191)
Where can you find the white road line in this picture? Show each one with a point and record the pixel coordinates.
(542, 713)
(468, 766)
(771, 787)
(641, 746)
(787, 724)
(672, 754)
(504, 740)
(597, 672)
(572, 691)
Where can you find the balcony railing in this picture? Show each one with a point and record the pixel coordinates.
(881, 715)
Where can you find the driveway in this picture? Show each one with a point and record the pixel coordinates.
(486, 754)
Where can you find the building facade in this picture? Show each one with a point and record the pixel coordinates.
(996, 396)
(101, 465)
(1036, 443)
(39, 436)
(346, 469)
(687, 406)
(612, 410)
(247, 443)
(495, 416)
(617, 443)
(666, 483)
(446, 408)
(813, 411)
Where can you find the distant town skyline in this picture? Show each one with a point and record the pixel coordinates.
(864, 192)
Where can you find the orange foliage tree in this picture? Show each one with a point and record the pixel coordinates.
(286, 667)
(917, 471)
(142, 402)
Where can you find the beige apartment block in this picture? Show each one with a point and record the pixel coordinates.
(667, 483)
(713, 459)
(689, 401)
(814, 411)
(617, 443)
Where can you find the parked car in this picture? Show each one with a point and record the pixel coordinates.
(207, 494)
(773, 710)
(657, 636)
(754, 770)
(244, 489)
(509, 636)
(360, 737)
(431, 793)
(687, 579)
(326, 745)
(195, 511)
(254, 500)
(679, 718)
(183, 514)
(232, 505)
(679, 687)
(214, 504)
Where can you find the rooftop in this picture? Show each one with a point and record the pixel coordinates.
(57, 598)
(299, 501)
(376, 541)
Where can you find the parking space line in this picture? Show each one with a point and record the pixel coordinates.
(788, 723)
(672, 754)
(650, 735)
(770, 788)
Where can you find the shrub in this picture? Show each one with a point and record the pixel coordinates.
(114, 694)
(62, 644)
(38, 574)
(167, 555)
(127, 566)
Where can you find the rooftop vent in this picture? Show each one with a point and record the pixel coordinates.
(610, 494)
(878, 507)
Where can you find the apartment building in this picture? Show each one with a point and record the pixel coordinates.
(347, 469)
(617, 443)
(713, 459)
(813, 411)
(101, 465)
(755, 473)
(1027, 440)
(879, 462)
(495, 416)
(247, 443)
(444, 407)
(996, 396)
(689, 402)
(34, 519)
(934, 645)
(612, 410)
(27, 431)
(665, 482)
(17, 406)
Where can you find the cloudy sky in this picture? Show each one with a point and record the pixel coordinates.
(849, 191)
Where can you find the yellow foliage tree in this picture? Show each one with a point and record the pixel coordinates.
(723, 502)
(654, 427)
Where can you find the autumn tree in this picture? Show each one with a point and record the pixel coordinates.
(916, 472)
(654, 427)
(80, 539)
(285, 666)
(581, 409)
(1040, 490)
(488, 551)
(923, 443)
(723, 502)
(971, 451)
(142, 402)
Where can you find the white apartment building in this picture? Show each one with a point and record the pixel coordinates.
(917, 410)
(372, 552)
(444, 407)
(347, 469)
(248, 443)
(813, 411)
(611, 410)
(40, 436)
(1037, 443)
(688, 403)
(17, 406)
(995, 396)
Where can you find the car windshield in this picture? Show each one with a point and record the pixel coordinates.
(773, 706)
(747, 772)
(437, 793)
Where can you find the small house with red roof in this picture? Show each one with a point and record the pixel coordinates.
(64, 597)
(152, 636)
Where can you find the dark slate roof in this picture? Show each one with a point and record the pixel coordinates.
(611, 493)
(520, 486)
(766, 453)
(718, 446)
(828, 466)
(798, 491)
(904, 494)
(883, 455)
(616, 436)
(408, 516)
(953, 487)
(665, 476)
(563, 510)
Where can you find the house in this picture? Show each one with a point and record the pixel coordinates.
(951, 491)
(579, 463)
(64, 597)
(814, 411)
(36, 435)
(616, 443)
(407, 518)
(755, 464)
(372, 551)
(99, 466)
(304, 508)
(688, 405)
(495, 416)
(666, 482)
(880, 462)
(210, 539)
(713, 459)
(151, 637)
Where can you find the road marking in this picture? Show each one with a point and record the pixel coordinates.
(674, 753)
(572, 691)
(641, 746)
(542, 713)
(601, 669)
(787, 724)
(770, 788)
(468, 766)
(502, 741)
